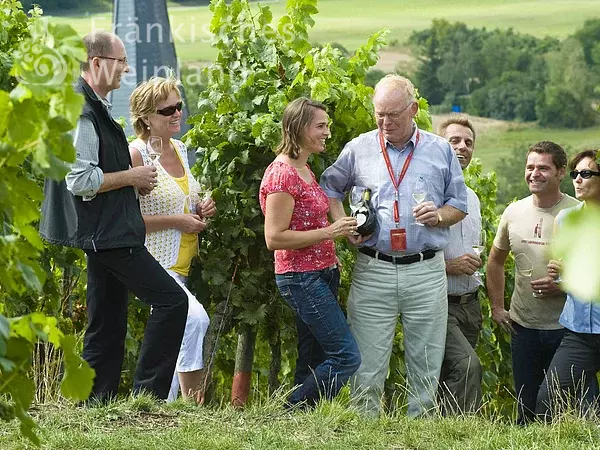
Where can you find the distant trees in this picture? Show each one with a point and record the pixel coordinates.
(61, 5)
(510, 76)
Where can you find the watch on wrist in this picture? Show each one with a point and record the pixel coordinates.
(439, 219)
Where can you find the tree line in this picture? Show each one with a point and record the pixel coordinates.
(507, 75)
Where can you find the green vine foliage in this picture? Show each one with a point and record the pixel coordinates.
(260, 67)
(38, 106)
(494, 345)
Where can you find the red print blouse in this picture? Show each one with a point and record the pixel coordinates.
(310, 213)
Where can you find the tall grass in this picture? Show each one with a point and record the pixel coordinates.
(142, 423)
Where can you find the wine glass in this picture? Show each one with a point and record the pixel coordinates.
(479, 248)
(355, 202)
(524, 265)
(205, 194)
(192, 203)
(154, 148)
(525, 268)
(419, 194)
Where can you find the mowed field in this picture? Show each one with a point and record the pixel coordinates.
(497, 138)
(350, 22)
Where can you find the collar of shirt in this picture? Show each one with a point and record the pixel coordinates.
(412, 139)
(105, 102)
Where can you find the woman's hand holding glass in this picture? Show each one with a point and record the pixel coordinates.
(206, 208)
(346, 226)
(554, 268)
(191, 222)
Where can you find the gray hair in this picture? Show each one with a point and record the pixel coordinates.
(397, 82)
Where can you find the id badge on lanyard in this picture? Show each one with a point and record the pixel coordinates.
(397, 235)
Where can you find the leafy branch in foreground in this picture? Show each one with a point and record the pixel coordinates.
(38, 107)
(576, 243)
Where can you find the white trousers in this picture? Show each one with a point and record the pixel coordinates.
(190, 353)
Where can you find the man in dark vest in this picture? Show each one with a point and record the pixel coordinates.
(96, 209)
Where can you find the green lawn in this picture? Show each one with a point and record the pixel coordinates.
(140, 424)
(349, 22)
(492, 144)
(496, 138)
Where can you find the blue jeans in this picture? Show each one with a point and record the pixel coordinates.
(532, 351)
(312, 295)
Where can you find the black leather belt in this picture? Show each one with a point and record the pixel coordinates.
(409, 259)
(462, 299)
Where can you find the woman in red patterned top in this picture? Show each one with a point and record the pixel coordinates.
(306, 272)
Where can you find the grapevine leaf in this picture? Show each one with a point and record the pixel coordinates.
(30, 277)
(5, 109)
(27, 426)
(78, 380)
(23, 121)
(580, 266)
(6, 364)
(4, 327)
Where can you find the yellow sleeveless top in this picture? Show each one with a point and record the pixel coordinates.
(172, 249)
(188, 247)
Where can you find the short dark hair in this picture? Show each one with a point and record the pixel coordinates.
(97, 43)
(458, 120)
(296, 117)
(559, 156)
(576, 158)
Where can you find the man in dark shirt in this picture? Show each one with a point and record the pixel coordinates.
(96, 209)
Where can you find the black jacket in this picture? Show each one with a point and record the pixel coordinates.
(112, 219)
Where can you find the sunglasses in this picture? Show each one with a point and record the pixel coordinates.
(585, 174)
(170, 110)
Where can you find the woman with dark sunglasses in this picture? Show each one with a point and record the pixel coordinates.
(571, 381)
(173, 213)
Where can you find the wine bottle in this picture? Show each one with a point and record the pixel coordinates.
(365, 215)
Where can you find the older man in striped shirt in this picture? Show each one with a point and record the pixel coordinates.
(460, 379)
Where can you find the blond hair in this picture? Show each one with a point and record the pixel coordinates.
(458, 120)
(397, 82)
(145, 99)
(297, 115)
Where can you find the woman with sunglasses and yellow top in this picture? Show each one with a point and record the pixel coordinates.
(173, 212)
(571, 381)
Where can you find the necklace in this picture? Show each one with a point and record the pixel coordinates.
(550, 207)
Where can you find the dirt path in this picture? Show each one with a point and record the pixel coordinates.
(389, 59)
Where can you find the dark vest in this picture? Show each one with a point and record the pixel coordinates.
(112, 219)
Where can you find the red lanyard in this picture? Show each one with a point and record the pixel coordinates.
(395, 182)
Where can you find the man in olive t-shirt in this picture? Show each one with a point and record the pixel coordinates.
(525, 229)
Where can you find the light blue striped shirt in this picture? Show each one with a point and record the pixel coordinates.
(579, 315)
(85, 177)
(463, 235)
(361, 165)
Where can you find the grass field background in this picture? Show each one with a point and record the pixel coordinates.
(497, 138)
(350, 22)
